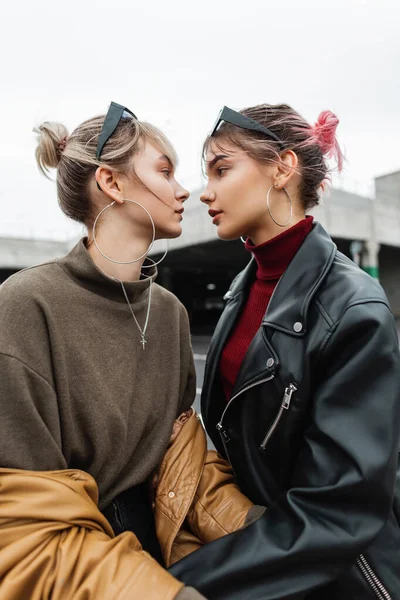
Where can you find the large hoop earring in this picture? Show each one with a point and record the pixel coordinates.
(269, 209)
(124, 262)
(154, 264)
(242, 239)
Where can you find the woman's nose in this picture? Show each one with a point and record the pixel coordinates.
(207, 196)
(182, 195)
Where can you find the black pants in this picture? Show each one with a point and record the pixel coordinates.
(132, 511)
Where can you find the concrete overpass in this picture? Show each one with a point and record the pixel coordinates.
(199, 266)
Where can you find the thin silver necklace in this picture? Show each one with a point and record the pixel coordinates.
(143, 340)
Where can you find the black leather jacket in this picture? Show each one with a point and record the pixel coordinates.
(312, 431)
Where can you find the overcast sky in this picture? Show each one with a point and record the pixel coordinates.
(176, 64)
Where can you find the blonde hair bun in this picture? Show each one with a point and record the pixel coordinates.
(51, 139)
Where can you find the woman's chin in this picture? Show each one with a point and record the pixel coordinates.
(227, 235)
(174, 231)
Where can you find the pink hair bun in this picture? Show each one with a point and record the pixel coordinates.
(324, 132)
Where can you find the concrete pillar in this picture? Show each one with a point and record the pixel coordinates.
(356, 249)
(389, 276)
(371, 258)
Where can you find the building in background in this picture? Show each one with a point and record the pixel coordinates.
(199, 267)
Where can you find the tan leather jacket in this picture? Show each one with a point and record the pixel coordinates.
(55, 543)
(198, 486)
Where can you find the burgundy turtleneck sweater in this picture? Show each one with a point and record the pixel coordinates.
(273, 257)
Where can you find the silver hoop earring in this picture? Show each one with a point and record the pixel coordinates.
(269, 209)
(154, 264)
(243, 240)
(124, 262)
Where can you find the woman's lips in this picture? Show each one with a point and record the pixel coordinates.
(215, 215)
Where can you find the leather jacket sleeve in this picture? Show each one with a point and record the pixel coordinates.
(219, 507)
(210, 503)
(341, 490)
(55, 542)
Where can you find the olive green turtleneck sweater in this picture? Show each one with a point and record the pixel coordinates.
(76, 388)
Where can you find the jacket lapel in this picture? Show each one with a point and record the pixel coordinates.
(288, 307)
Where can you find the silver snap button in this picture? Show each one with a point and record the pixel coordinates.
(270, 362)
(298, 327)
(171, 495)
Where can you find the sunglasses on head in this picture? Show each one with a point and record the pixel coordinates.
(234, 118)
(115, 113)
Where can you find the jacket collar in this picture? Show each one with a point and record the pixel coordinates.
(288, 307)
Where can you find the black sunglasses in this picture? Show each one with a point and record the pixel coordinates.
(115, 113)
(234, 118)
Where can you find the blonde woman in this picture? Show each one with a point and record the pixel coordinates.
(95, 357)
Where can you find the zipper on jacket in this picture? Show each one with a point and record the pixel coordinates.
(224, 437)
(375, 583)
(287, 398)
(220, 428)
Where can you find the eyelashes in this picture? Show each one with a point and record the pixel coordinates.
(218, 171)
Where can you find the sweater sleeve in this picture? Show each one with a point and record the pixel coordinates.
(30, 436)
(188, 372)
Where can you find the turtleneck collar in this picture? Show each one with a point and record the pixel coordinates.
(79, 265)
(274, 256)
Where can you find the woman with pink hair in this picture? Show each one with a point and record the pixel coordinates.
(302, 384)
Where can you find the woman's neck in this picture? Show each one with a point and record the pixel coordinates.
(266, 232)
(274, 255)
(123, 243)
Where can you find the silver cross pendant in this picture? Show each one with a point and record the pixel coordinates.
(143, 342)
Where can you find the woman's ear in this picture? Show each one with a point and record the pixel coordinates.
(109, 183)
(286, 168)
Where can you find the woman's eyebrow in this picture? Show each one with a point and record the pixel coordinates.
(216, 158)
(165, 157)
